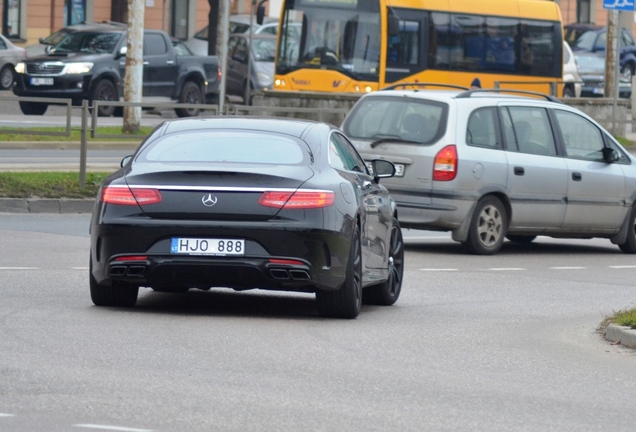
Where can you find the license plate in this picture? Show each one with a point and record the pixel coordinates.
(203, 246)
(41, 81)
(399, 169)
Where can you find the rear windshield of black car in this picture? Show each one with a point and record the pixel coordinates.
(89, 42)
(225, 147)
(409, 119)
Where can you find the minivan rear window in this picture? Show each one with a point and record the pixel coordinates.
(417, 121)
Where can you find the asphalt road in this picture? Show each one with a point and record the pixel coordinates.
(475, 343)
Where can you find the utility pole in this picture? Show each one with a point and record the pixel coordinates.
(611, 53)
(133, 76)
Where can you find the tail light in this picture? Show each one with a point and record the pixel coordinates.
(297, 200)
(130, 196)
(132, 258)
(445, 166)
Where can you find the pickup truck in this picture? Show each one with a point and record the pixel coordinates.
(89, 63)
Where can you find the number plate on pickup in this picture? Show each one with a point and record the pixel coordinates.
(41, 81)
(202, 246)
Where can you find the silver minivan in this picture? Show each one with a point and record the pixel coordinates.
(488, 166)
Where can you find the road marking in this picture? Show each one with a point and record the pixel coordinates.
(568, 268)
(439, 269)
(507, 269)
(112, 428)
(6, 415)
(79, 268)
(623, 267)
(19, 268)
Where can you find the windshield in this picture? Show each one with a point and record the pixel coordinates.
(89, 42)
(591, 64)
(264, 50)
(587, 41)
(343, 36)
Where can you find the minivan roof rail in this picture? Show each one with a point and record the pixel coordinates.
(469, 93)
(417, 85)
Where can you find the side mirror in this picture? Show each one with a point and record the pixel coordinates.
(123, 51)
(260, 14)
(382, 168)
(394, 25)
(610, 155)
(126, 161)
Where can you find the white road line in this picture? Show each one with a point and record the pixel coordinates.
(18, 268)
(112, 428)
(623, 267)
(79, 268)
(507, 269)
(439, 269)
(6, 415)
(567, 268)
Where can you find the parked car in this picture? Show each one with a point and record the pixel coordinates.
(10, 55)
(262, 66)
(571, 78)
(90, 64)
(240, 23)
(278, 204)
(593, 38)
(486, 165)
(592, 70)
(38, 49)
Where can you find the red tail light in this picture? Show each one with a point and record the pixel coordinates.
(285, 261)
(445, 166)
(130, 196)
(132, 258)
(297, 200)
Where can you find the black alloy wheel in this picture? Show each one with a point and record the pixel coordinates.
(387, 293)
(105, 91)
(119, 294)
(629, 245)
(190, 94)
(346, 301)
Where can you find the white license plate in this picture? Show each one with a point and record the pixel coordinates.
(203, 246)
(399, 169)
(41, 81)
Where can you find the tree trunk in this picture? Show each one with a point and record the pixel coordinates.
(133, 76)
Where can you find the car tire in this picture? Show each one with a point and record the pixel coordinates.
(105, 91)
(628, 72)
(119, 294)
(487, 227)
(387, 293)
(6, 77)
(33, 108)
(523, 239)
(346, 301)
(629, 246)
(190, 94)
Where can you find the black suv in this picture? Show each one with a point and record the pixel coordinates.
(89, 63)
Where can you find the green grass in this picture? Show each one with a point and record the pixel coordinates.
(624, 318)
(75, 134)
(48, 184)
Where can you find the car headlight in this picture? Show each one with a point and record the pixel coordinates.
(20, 68)
(264, 79)
(78, 68)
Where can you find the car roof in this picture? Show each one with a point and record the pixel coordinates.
(288, 126)
(450, 95)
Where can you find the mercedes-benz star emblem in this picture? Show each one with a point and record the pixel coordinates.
(209, 200)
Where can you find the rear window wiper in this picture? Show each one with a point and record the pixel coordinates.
(392, 139)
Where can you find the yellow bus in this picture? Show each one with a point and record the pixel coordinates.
(345, 46)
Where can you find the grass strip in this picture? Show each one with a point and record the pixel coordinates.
(49, 184)
(76, 134)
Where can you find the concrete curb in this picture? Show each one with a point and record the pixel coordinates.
(626, 336)
(46, 205)
(69, 145)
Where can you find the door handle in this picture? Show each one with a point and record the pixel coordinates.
(170, 62)
(146, 63)
(519, 171)
(576, 176)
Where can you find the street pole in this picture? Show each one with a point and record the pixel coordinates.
(222, 53)
(248, 90)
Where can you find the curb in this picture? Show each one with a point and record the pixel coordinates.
(46, 205)
(69, 145)
(626, 336)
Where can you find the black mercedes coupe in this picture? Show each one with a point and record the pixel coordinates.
(245, 203)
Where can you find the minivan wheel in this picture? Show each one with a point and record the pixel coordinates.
(629, 246)
(487, 227)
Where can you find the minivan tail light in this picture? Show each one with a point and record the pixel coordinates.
(445, 166)
(297, 200)
(130, 196)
